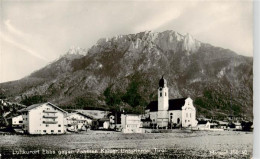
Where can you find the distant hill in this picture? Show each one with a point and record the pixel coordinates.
(123, 71)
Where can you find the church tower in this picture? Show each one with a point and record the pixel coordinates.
(163, 103)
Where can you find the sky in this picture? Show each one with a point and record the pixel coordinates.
(33, 33)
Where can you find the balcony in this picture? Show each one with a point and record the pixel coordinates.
(49, 116)
(49, 111)
(49, 122)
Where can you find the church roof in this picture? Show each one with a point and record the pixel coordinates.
(174, 104)
(153, 106)
(162, 82)
(202, 122)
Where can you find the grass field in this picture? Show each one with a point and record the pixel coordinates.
(107, 144)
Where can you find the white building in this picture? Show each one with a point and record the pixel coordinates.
(238, 126)
(131, 123)
(44, 118)
(203, 125)
(173, 112)
(17, 121)
(223, 125)
(78, 121)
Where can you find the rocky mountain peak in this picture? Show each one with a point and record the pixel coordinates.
(190, 44)
(126, 69)
(165, 41)
(76, 50)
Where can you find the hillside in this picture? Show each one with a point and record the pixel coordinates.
(124, 71)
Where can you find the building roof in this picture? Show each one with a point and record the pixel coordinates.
(162, 82)
(85, 115)
(153, 106)
(129, 114)
(222, 123)
(237, 124)
(104, 119)
(14, 116)
(96, 114)
(202, 122)
(174, 104)
(39, 104)
(146, 119)
(31, 107)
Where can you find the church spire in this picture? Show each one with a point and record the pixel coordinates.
(162, 82)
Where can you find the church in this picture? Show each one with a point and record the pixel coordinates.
(171, 113)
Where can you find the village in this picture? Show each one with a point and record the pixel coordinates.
(163, 115)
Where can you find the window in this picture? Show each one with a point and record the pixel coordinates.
(59, 125)
(20, 121)
(47, 125)
(165, 93)
(171, 116)
(59, 130)
(44, 131)
(52, 131)
(160, 94)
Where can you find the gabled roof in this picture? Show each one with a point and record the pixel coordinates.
(153, 106)
(31, 107)
(39, 104)
(174, 104)
(10, 117)
(104, 119)
(222, 123)
(146, 119)
(202, 122)
(85, 115)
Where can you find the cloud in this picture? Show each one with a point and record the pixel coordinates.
(46, 29)
(12, 29)
(18, 33)
(159, 20)
(23, 47)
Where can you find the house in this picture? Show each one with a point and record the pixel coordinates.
(15, 121)
(102, 123)
(238, 126)
(43, 118)
(114, 120)
(213, 125)
(203, 125)
(131, 123)
(174, 112)
(223, 125)
(78, 121)
(146, 122)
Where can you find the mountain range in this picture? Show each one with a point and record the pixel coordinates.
(123, 72)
